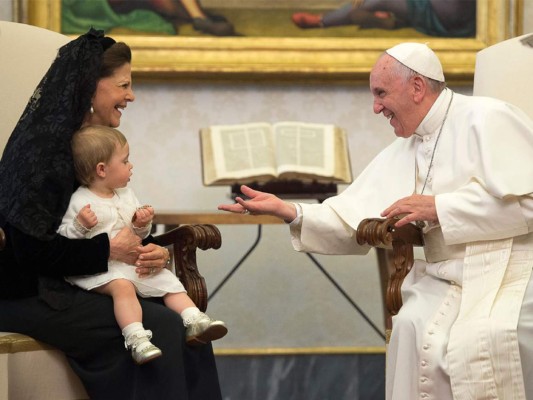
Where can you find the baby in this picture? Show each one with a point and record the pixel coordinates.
(104, 203)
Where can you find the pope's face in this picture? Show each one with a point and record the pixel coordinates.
(393, 97)
(112, 95)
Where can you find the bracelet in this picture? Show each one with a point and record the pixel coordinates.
(79, 227)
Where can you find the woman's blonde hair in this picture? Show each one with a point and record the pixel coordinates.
(92, 145)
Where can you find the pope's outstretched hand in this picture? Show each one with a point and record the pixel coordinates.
(261, 203)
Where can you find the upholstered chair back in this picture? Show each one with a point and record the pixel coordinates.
(26, 53)
(504, 71)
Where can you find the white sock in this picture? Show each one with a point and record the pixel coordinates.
(136, 329)
(189, 313)
(131, 328)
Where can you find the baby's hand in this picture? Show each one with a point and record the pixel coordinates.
(143, 216)
(87, 218)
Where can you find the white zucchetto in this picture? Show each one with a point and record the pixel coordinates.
(420, 58)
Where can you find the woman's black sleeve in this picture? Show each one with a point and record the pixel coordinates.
(61, 256)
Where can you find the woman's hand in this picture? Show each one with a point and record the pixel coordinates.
(125, 246)
(413, 208)
(152, 259)
(261, 203)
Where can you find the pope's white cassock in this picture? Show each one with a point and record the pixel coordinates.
(465, 330)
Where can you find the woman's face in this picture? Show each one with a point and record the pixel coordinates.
(112, 95)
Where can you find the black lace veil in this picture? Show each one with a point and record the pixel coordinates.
(36, 169)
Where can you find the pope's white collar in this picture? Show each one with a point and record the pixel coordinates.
(433, 119)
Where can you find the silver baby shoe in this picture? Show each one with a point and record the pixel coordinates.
(142, 350)
(201, 329)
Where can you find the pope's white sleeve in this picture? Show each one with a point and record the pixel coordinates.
(526, 203)
(319, 229)
(472, 214)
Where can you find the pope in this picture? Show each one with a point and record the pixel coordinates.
(462, 166)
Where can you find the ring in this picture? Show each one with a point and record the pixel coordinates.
(152, 270)
(245, 211)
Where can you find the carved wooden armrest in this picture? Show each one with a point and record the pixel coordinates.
(380, 232)
(185, 239)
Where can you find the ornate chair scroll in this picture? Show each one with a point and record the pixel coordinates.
(27, 52)
(184, 240)
(395, 258)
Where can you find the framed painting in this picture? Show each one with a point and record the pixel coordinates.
(306, 57)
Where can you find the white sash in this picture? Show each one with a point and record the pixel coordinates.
(483, 355)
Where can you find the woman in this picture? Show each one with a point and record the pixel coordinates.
(88, 83)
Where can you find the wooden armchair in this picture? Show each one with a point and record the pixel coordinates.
(395, 252)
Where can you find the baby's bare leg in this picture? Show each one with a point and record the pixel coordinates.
(125, 303)
(128, 313)
(178, 301)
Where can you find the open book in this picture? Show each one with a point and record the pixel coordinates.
(262, 152)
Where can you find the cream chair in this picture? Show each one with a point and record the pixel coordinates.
(504, 71)
(27, 52)
(30, 369)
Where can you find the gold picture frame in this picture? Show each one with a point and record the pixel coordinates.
(313, 60)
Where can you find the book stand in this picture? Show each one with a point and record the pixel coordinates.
(291, 189)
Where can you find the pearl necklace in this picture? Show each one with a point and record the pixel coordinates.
(435, 147)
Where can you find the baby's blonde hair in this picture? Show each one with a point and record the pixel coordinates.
(92, 145)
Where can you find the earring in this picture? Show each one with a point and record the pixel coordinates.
(92, 110)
